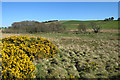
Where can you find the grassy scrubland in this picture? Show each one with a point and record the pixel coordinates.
(82, 55)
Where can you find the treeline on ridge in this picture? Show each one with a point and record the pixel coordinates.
(34, 27)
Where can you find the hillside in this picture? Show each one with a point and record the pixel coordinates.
(73, 24)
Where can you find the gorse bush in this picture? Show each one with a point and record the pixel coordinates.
(19, 52)
(0, 58)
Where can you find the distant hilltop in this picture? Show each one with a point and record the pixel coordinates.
(25, 23)
(50, 21)
(30, 23)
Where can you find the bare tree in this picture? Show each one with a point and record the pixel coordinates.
(96, 28)
(82, 27)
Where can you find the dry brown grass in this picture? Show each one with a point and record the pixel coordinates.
(104, 47)
(103, 30)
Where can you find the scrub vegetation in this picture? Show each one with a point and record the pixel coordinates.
(76, 51)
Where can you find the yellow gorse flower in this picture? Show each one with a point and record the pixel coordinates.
(19, 51)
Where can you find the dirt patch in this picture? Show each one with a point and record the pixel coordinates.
(103, 30)
(110, 31)
(75, 24)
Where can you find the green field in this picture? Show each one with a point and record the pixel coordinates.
(73, 24)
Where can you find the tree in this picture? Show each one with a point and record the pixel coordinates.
(109, 19)
(95, 27)
(60, 27)
(82, 27)
(119, 19)
(112, 18)
(106, 19)
(5, 27)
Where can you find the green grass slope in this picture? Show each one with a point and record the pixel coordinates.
(73, 24)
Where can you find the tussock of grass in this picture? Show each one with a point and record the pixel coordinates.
(84, 57)
(80, 64)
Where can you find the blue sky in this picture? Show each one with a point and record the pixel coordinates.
(60, 0)
(42, 11)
